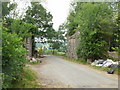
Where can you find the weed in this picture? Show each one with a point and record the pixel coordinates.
(28, 80)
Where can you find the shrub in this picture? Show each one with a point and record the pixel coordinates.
(92, 47)
(13, 58)
(96, 29)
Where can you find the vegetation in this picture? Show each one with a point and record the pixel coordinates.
(97, 25)
(13, 58)
(80, 61)
(36, 23)
(38, 16)
(22, 29)
(28, 80)
(6, 8)
(58, 42)
(33, 63)
(60, 54)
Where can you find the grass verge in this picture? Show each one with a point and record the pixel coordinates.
(117, 70)
(59, 54)
(28, 80)
(82, 61)
(33, 63)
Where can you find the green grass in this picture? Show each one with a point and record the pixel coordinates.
(33, 63)
(59, 54)
(100, 68)
(80, 61)
(117, 70)
(28, 80)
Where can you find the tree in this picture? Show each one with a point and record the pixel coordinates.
(71, 25)
(14, 54)
(117, 31)
(7, 7)
(95, 23)
(58, 41)
(38, 16)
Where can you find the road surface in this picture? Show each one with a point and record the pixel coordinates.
(55, 72)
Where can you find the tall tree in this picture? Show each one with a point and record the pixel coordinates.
(38, 16)
(7, 7)
(95, 23)
(58, 42)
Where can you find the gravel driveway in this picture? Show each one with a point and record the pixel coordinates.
(55, 72)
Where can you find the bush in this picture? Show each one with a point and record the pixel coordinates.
(29, 80)
(13, 58)
(92, 47)
(96, 29)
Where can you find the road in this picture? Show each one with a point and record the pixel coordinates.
(55, 72)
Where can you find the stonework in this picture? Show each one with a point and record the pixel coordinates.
(28, 46)
(72, 42)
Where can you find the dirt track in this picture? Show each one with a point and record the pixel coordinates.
(54, 72)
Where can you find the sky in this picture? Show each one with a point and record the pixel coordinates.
(58, 8)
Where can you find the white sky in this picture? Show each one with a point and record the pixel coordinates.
(58, 8)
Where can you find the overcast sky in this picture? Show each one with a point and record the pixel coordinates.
(58, 8)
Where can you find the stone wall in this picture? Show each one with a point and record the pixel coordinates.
(28, 46)
(72, 42)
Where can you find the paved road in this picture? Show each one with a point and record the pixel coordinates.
(56, 72)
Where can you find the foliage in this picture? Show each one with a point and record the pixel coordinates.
(34, 63)
(95, 22)
(71, 25)
(37, 23)
(40, 51)
(117, 34)
(22, 29)
(28, 80)
(13, 58)
(58, 41)
(80, 60)
(60, 54)
(38, 16)
(95, 30)
(55, 45)
(117, 70)
(7, 7)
